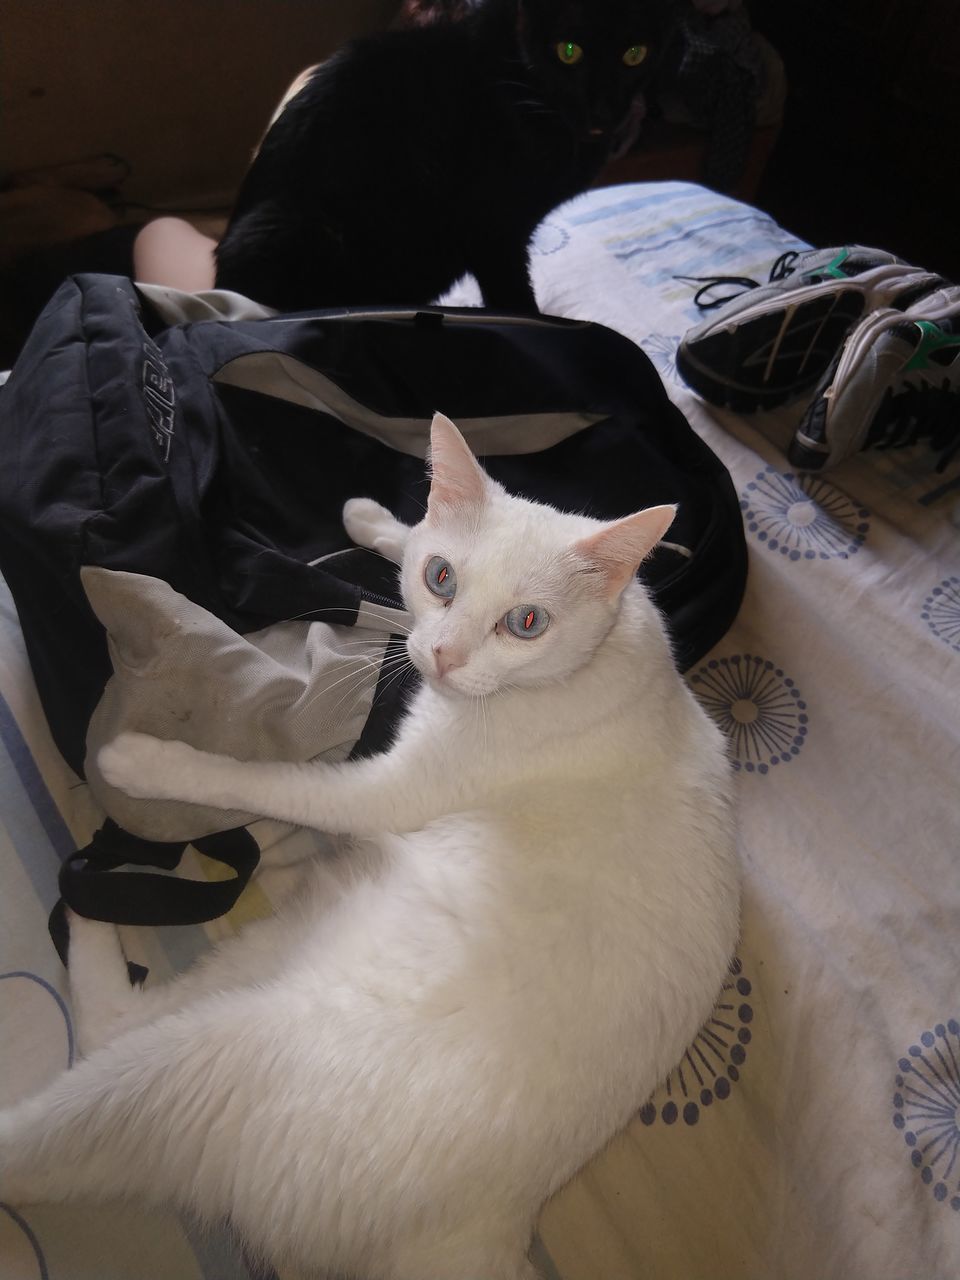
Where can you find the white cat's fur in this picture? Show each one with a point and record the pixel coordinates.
(532, 919)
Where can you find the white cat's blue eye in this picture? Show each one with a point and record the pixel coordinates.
(527, 621)
(440, 577)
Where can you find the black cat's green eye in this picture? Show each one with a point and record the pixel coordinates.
(569, 53)
(635, 55)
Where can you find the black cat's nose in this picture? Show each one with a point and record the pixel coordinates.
(604, 118)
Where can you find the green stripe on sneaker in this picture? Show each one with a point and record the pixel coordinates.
(835, 269)
(932, 339)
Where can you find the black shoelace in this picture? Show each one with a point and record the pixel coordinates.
(782, 268)
(919, 412)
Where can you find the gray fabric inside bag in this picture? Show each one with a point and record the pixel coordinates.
(293, 691)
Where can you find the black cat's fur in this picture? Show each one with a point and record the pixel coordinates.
(415, 156)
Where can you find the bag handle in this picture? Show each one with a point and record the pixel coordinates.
(91, 885)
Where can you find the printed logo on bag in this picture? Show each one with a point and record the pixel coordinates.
(158, 396)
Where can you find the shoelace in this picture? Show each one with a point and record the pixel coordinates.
(919, 411)
(782, 268)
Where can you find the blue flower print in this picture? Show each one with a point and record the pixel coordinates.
(711, 1066)
(926, 1110)
(549, 237)
(941, 612)
(756, 706)
(662, 350)
(803, 517)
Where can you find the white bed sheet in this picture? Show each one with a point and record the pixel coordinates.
(813, 1132)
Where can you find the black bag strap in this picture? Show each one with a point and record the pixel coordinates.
(91, 885)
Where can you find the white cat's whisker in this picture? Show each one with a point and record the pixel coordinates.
(398, 673)
(355, 693)
(373, 674)
(373, 645)
(358, 674)
(390, 623)
(480, 715)
(399, 663)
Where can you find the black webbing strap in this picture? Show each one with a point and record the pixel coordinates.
(91, 885)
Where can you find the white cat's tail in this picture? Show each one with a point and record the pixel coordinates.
(155, 1114)
(204, 1111)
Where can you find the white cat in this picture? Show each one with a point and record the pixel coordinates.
(532, 919)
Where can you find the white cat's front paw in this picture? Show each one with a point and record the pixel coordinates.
(146, 768)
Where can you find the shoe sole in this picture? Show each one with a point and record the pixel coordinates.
(807, 456)
(798, 340)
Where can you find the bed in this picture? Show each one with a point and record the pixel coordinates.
(812, 1131)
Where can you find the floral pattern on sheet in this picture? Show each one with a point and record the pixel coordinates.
(662, 350)
(941, 612)
(711, 1066)
(926, 1109)
(803, 517)
(550, 237)
(757, 706)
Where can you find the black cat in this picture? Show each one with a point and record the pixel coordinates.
(417, 155)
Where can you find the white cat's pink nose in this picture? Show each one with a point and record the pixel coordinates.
(446, 659)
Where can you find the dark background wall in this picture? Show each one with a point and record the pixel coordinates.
(869, 150)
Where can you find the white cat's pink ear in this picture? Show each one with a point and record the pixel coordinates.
(617, 551)
(456, 478)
